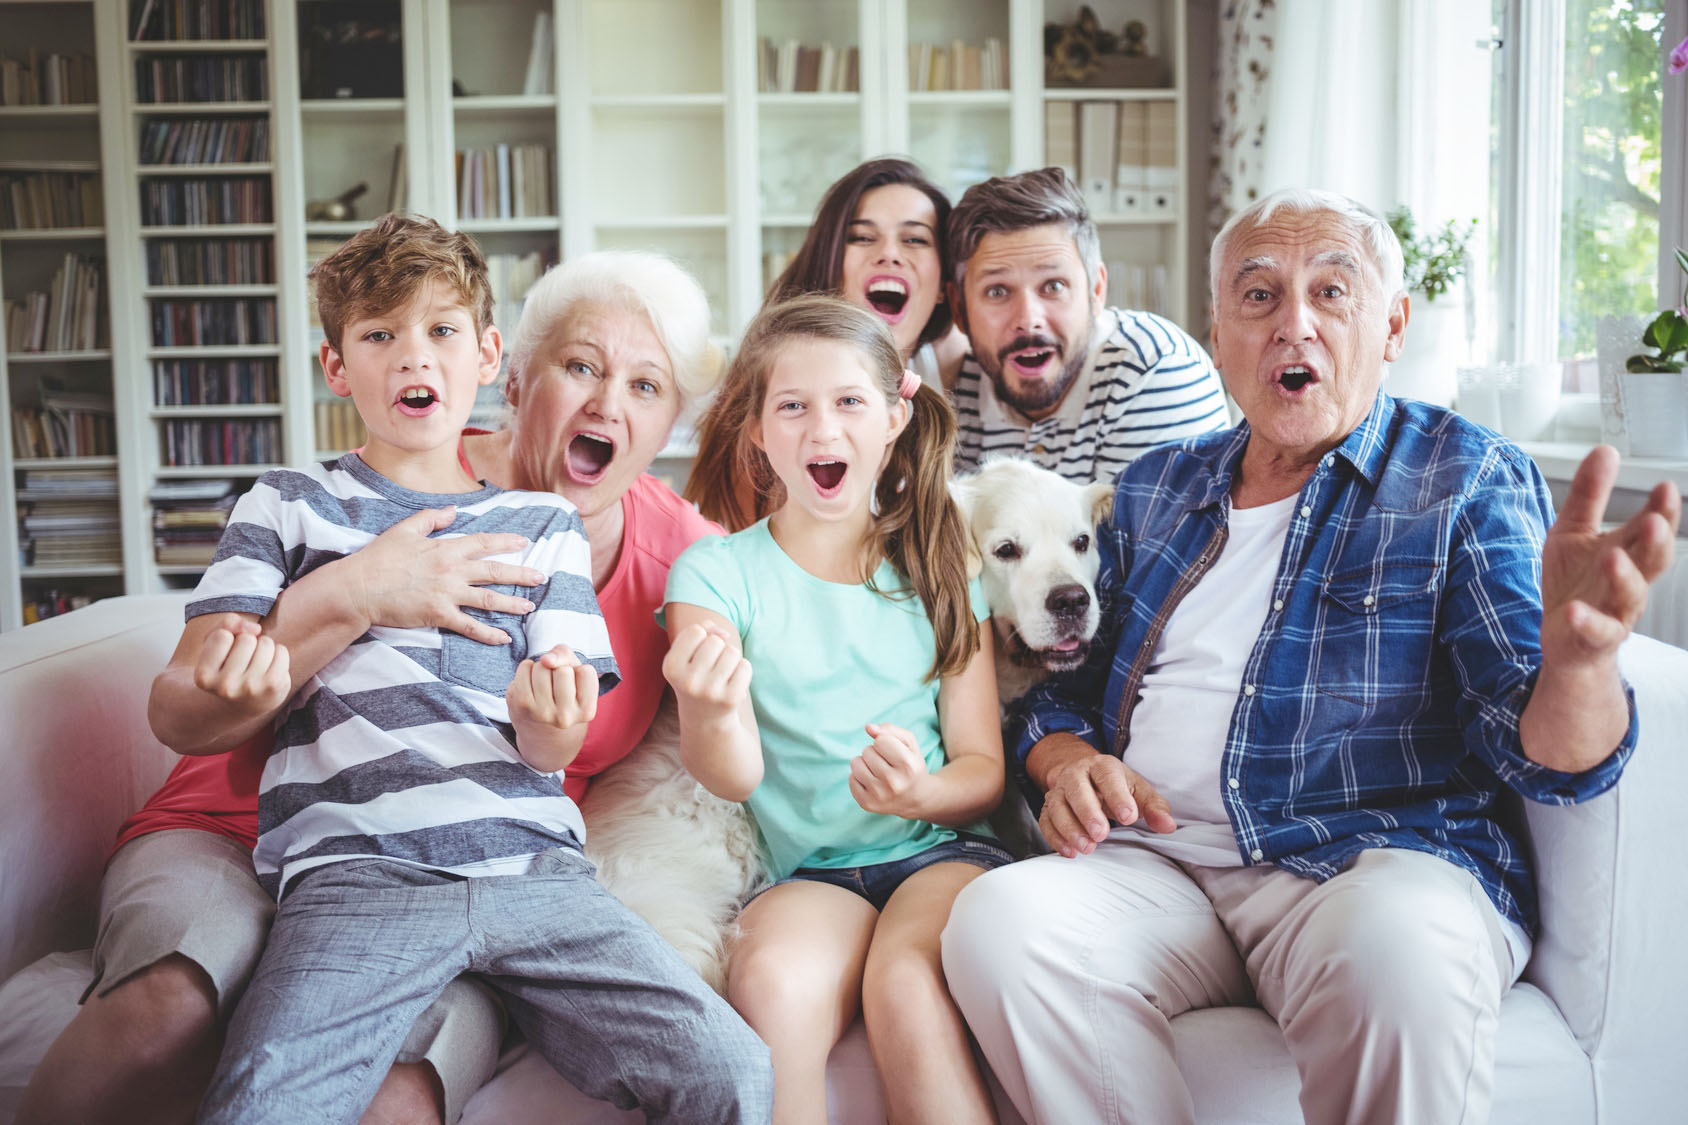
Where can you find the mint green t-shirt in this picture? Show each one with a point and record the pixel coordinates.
(827, 658)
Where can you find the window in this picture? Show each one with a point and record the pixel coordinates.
(1588, 178)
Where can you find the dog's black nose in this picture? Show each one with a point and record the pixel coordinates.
(1067, 601)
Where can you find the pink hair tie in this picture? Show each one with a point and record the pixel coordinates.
(909, 385)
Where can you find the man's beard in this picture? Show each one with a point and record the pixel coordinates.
(1036, 397)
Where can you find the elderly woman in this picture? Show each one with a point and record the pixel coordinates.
(609, 349)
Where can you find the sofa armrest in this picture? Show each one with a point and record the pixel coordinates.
(76, 760)
(1610, 876)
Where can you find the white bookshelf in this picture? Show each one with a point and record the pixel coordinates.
(660, 136)
(60, 139)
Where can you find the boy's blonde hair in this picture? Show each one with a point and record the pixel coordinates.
(916, 525)
(384, 267)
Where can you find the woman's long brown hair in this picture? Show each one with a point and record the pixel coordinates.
(717, 484)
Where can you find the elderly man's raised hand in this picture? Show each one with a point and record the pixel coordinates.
(1594, 583)
(1085, 793)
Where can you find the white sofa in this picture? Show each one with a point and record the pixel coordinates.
(1596, 1031)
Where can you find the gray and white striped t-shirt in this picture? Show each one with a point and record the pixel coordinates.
(401, 746)
(1148, 383)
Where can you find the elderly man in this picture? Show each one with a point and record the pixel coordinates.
(1334, 634)
(1054, 376)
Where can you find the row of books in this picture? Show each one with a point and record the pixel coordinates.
(66, 484)
(1135, 286)
(68, 518)
(511, 276)
(230, 441)
(505, 182)
(793, 67)
(338, 426)
(39, 432)
(234, 199)
(210, 261)
(201, 78)
(1122, 154)
(773, 264)
(46, 200)
(51, 603)
(214, 382)
(64, 549)
(64, 318)
(239, 320)
(205, 140)
(47, 79)
(188, 517)
(196, 19)
(959, 66)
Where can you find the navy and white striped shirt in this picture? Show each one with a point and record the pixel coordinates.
(1148, 383)
(1380, 703)
(401, 746)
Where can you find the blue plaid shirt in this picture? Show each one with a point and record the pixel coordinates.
(1380, 702)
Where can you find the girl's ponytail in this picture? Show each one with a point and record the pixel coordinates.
(919, 528)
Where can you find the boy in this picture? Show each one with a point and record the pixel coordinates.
(411, 820)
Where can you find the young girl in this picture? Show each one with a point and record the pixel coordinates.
(878, 242)
(867, 744)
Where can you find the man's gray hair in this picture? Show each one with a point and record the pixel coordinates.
(636, 281)
(1368, 224)
(1004, 204)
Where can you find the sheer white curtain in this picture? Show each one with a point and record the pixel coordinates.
(1386, 101)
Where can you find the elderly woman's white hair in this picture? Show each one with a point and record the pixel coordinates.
(637, 281)
(1368, 224)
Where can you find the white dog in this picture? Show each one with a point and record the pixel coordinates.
(1035, 533)
(677, 855)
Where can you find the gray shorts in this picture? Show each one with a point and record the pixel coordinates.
(194, 893)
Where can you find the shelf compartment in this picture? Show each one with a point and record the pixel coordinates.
(209, 291)
(170, 109)
(259, 410)
(1110, 94)
(207, 46)
(200, 351)
(203, 169)
(27, 112)
(476, 104)
(87, 355)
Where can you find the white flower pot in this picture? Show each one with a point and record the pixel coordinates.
(1656, 413)
(1434, 348)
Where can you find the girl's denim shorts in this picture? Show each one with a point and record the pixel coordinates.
(876, 881)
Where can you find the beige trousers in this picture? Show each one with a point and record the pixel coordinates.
(1386, 981)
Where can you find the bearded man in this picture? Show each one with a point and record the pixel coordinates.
(1054, 376)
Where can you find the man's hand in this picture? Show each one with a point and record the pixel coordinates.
(890, 773)
(1084, 790)
(1594, 585)
(556, 690)
(241, 665)
(405, 579)
(708, 673)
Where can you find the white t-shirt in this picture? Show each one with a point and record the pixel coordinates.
(1179, 726)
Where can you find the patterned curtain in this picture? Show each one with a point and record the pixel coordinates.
(1242, 71)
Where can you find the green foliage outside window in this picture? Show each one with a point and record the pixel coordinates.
(1609, 240)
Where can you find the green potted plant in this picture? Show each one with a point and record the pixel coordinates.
(1437, 343)
(1667, 334)
(1436, 260)
(1655, 389)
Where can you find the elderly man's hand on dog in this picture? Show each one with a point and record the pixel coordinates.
(1085, 790)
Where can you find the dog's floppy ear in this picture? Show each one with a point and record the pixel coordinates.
(1098, 501)
(965, 492)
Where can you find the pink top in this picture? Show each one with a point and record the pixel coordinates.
(219, 793)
